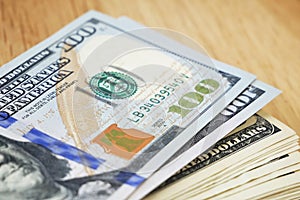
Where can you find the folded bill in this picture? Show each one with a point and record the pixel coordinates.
(220, 165)
(103, 109)
(280, 166)
(277, 185)
(245, 105)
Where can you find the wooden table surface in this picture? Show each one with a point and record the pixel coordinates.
(262, 37)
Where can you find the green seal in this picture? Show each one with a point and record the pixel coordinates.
(113, 85)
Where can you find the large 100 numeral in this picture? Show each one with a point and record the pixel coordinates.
(191, 100)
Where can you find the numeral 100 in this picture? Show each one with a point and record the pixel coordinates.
(191, 100)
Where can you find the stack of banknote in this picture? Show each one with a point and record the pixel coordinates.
(109, 109)
(264, 165)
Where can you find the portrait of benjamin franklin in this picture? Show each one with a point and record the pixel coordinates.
(29, 171)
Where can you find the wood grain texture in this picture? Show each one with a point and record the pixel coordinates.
(262, 37)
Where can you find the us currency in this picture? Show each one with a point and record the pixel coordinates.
(219, 181)
(278, 167)
(252, 177)
(246, 104)
(94, 110)
(257, 165)
(270, 139)
(258, 171)
(284, 186)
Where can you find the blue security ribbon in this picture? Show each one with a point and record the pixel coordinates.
(60, 148)
(54, 145)
(5, 120)
(129, 178)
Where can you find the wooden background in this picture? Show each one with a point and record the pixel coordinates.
(262, 37)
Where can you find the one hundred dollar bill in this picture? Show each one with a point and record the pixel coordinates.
(245, 105)
(95, 110)
(280, 166)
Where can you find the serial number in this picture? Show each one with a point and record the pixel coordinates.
(156, 99)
